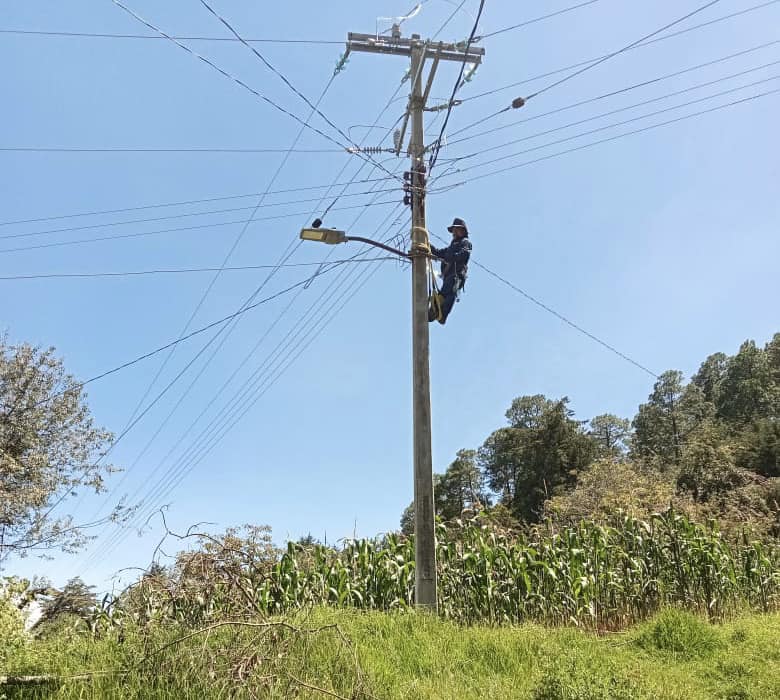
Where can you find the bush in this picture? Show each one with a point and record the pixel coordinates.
(680, 633)
(12, 635)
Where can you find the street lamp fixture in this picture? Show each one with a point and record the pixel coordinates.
(333, 236)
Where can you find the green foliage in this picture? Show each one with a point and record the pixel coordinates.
(397, 656)
(598, 575)
(607, 487)
(612, 435)
(538, 456)
(680, 633)
(72, 606)
(566, 679)
(49, 446)
(12, 634)
(710, 447)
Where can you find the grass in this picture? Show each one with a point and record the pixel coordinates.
(356, 654)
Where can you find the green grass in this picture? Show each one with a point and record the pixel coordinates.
(411, 655)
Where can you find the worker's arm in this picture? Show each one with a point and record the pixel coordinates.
(439, 252)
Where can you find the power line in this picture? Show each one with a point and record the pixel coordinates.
(535, 19)
(96, 35)
(81, 241)
(612, 93)
(121, 149)
(236, 80)
(637, 46)
(437, 144)
(450, 18)
(246, 388)
(624, 49)
(615, 138)
(178, 216)
(217, 274)
(285, 257)
(170, 271)
(248, 356)
(192, 334)
(195, 201)
(567, 321)
(236, 408)
(287, 82)
(615, 111)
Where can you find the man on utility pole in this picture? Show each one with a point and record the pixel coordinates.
(418, 51)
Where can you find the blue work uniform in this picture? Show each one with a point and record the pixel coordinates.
(454, 268)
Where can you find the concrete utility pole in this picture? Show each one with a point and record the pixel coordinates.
(418, 50)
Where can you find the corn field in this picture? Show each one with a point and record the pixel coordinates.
(590, 575)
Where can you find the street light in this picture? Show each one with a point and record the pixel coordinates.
(324, 235)
(333, 236)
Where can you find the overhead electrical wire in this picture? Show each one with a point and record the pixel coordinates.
(252, 297)
(685, 117)
(286, 256)
(194, 201)
(535, 20)
(245, 388)
(137, 415)
(131, 149)
(248, 356)
(643, 44)
(96, 35)
(173, 271)
(208, 212)
(567, 321)
(437, 144)
(677, 21)
(519, 102)
(263, 378)
(192, 334)
(611, 93)
(243, 84)
(450, 18)
(615, 111)
(288, 83)
(97, 239)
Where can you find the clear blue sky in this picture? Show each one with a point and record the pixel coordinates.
(664, 244)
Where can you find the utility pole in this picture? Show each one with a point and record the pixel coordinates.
(418, 51)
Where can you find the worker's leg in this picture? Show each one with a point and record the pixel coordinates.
(449, 291)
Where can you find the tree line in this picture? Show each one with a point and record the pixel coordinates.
(710, 446)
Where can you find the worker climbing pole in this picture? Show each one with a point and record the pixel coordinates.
(454, 269)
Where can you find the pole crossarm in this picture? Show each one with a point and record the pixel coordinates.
(371, 43)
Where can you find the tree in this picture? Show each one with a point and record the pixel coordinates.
(746, 391)
(407, 520)
(671, 413)
(537, 457)
(461, 487)
(49, 450)
(611, 434)
(75, 601)
(760, 451)
(710, 376)
(528, 411)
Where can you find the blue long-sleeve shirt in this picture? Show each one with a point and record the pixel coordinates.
(454, 258)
